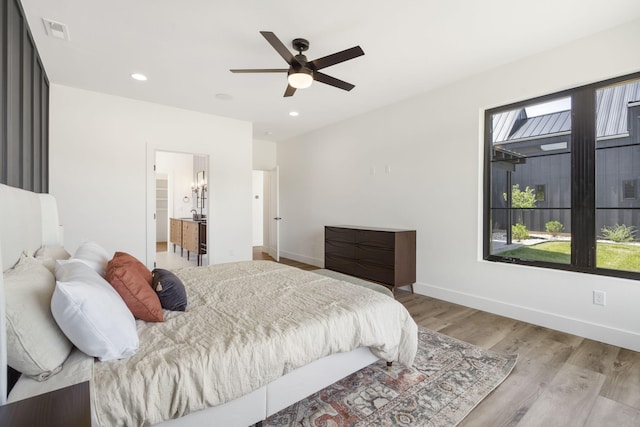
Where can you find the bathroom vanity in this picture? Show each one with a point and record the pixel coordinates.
(190, 235)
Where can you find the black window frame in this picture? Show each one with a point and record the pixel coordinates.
(634, 186)
(538, 187)
(583, 180)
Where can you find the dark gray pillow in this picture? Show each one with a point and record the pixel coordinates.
(170, 290)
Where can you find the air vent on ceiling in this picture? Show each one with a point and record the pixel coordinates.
(56, 29)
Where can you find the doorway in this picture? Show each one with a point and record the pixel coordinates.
(184, 201)
(266, 211)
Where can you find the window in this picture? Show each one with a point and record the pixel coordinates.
(629, 189)
(582, 143)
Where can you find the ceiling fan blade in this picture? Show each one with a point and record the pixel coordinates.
(336, 58)
(279, 47)
(323, 78)
(263, 70)
(290, 91)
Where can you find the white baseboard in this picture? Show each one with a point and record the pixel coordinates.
(594, 331)
(318, 262)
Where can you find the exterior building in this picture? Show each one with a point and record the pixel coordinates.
(535, 152)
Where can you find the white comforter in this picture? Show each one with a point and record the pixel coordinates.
(246, 324)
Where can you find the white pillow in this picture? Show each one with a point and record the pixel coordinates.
(35, 344)
(92, 314)
(49, 254)
(94, 255)
(52, 251)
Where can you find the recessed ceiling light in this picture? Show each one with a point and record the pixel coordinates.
(294, 113)
(138, 76)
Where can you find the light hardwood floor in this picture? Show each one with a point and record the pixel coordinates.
(258, 254)
(559, 379)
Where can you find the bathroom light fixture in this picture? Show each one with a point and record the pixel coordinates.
(199, 187)
(199, 190)
(139, 77)
(294, 113)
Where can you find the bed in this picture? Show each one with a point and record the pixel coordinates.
(222, 302)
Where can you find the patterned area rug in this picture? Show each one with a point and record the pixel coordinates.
(448, 379)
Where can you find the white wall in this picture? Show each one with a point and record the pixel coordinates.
(264, 155)
(432, 147)
(102, 150)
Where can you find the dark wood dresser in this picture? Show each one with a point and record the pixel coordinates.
(383, 255)
(66, 407)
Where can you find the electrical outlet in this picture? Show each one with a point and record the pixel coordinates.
(600, 297)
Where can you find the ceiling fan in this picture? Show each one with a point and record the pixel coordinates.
(301, 73)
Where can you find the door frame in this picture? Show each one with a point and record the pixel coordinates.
(152, 150)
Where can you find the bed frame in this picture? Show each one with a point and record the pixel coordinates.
(29, 220)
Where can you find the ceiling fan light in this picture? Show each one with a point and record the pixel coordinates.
(300, 80)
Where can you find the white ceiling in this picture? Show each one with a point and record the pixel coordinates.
(186, 48)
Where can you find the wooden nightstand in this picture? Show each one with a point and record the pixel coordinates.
(66, 407)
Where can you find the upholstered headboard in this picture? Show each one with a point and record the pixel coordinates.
(27, 222)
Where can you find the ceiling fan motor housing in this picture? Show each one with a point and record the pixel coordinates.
(302, 69)
(301, 45)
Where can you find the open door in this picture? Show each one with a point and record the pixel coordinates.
(273, 177)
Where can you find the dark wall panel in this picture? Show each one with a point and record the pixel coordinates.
(27, 112)
(44, 133)
(37, 134)
(14, 74)
(24, 106)
(3, 89)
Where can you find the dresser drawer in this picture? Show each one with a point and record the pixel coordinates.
(343, 249)
(376, 273)
(375, 238)
(338, 234)
(343, 265)
(383, 256)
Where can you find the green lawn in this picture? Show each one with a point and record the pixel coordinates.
(608, 255)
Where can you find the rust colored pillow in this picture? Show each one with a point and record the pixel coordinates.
(123, 258)
(132, 280)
